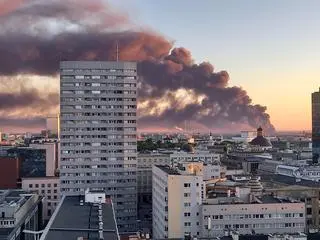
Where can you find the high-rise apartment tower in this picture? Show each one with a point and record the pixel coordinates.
(98, 133)
(316, 125)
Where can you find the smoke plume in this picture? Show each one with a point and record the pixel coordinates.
(36, 35)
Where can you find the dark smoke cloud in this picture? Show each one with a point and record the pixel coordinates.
(27, 97)
(89, 30)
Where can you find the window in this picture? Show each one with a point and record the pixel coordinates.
(49, 212)
(42, 185)
(30, 185)
(187, 224)
(49, 197)
(37, 185)
(49, 203)
(55, 191)
(48, 191)
(187, 185)
(187, 214)
(187, 204)
(55, 185)
(186, 194)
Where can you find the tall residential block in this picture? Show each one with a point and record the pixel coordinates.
(98, 133)
(316, 124)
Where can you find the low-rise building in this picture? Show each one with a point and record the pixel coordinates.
(46, 187)
(20, 214)
(203, 156)
(265, 214)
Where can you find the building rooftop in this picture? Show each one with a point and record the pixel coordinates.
(71, 220)
(169, 170)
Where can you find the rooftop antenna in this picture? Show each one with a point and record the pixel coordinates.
(117, 50)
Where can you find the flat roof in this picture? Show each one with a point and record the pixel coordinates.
(70, 221)
(169, 170)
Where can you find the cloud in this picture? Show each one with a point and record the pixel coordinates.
(36, 35)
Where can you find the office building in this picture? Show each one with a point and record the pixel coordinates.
(176, 201)
(144, 173)
(98, 133)
(85, 217)
(315, 98)
(203, 156)
(20, 214)
(46, 187)
(9, 172)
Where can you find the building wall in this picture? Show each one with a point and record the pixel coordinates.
(315, 98)
(9, 172)
(48, 188)
(144, 171)
(98, 133)
(197, 156)
(51, 156)
(176, 201)
(276, 218)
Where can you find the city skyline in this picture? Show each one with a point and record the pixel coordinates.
(29, 82)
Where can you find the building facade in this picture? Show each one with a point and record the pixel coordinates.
(203, 156)
(265, 216)
(9, 172)
(176, 202)
(20, 213)
(46, 187)
(98, 133)
(144, 173)
(315, 98)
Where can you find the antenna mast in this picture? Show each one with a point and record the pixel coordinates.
(117, 51)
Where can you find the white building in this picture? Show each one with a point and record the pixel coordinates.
(262, 215)
(310, 173)
(98, 108)
(176, 201)
(295, 236)
(48, 188)
(203, 156)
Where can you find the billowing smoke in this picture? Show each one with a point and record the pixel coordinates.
(36, 35)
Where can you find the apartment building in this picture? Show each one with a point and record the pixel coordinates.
(176, 202)
(46, 187)
(98, 133)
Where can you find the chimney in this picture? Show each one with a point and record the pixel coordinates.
(101, 235)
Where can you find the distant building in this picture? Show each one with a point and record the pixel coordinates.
(263, 215)
(9, 172)
(202, 156)
(89, 216)
(20, 215)
(260, 140)
(315, 97)
(144, 173)
(46, 187)
(245, 136)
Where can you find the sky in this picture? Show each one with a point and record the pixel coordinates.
(216, 64)
(270, 48)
